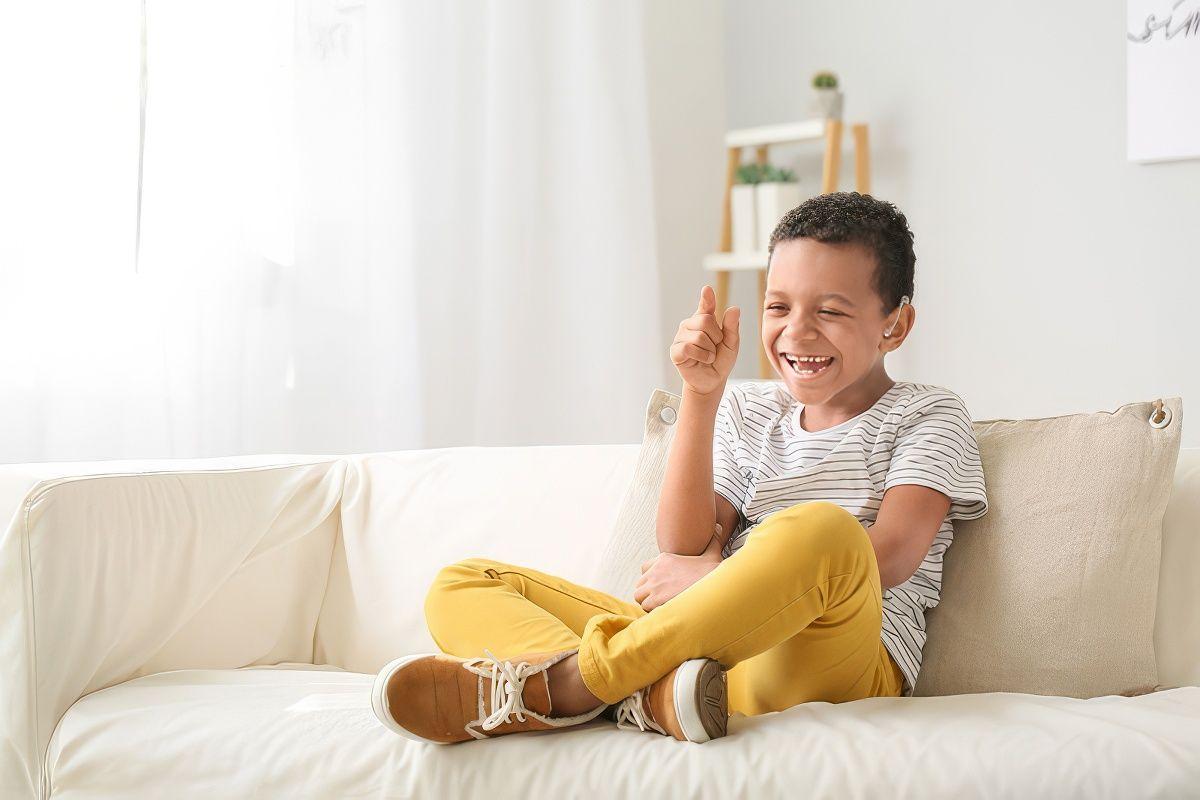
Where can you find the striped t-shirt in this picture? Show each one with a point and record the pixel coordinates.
(763, 461)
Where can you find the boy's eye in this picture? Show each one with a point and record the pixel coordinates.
(822, 311)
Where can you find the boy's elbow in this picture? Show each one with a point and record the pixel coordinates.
(887, 578)
(892, 573)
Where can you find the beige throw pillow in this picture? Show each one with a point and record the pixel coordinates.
(633, 540)
(1052, 591)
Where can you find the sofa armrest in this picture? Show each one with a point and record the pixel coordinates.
(112, 570)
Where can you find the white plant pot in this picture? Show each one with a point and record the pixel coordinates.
(743, 219)
(828, 103)
(772, 201)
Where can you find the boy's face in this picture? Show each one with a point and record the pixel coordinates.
(801, 317)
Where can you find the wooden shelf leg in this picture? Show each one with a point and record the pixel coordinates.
(722, 292)
(833, 155)
(725, 245)
(765, 370)
(731, 167)
(862, 159)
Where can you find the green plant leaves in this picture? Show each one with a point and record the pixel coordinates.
(825, 80)
(764, 173)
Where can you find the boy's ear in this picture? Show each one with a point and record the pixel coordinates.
(904, 324)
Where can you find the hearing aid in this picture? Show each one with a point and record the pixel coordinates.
(888, 332)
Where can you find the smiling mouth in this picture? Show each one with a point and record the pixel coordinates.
(807, 369)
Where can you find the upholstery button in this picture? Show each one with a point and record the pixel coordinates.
(667, 415)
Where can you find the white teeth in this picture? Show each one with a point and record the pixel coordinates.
(794, 362)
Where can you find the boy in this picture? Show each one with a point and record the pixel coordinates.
(830, 496)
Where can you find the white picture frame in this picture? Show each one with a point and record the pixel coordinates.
(1162, 60)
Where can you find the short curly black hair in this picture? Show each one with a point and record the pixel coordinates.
(861, 219)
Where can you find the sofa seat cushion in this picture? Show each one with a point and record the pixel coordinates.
(302, 731)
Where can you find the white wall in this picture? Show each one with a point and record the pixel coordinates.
(1053, 276)
(685, 87)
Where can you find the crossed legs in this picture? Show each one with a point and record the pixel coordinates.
(795, 615)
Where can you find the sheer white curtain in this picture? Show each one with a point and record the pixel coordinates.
(365, 226)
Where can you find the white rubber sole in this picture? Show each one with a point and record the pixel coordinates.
(685, 694)
(379, 701)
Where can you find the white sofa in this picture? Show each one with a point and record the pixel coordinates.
(210, 629)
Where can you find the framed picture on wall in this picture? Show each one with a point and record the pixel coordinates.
(1162, 63)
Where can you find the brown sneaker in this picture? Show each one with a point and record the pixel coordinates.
(690, 703)
(442, 699)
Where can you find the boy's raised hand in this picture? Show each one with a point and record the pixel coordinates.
(704, 350)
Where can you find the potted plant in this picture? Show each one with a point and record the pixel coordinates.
(776, 193)
(828, 96)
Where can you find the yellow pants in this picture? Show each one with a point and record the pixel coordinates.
(794, 615)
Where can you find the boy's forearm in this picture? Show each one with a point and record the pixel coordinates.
(687, 506)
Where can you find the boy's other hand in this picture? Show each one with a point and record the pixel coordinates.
(668, 574)
(705, 350)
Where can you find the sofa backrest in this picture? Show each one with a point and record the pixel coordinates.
(1177, 617)
(405, 515)
(113, 570)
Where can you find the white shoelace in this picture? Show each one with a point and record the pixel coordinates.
(631, 715)
(508, 683)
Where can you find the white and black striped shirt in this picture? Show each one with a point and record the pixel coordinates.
(763, 461)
